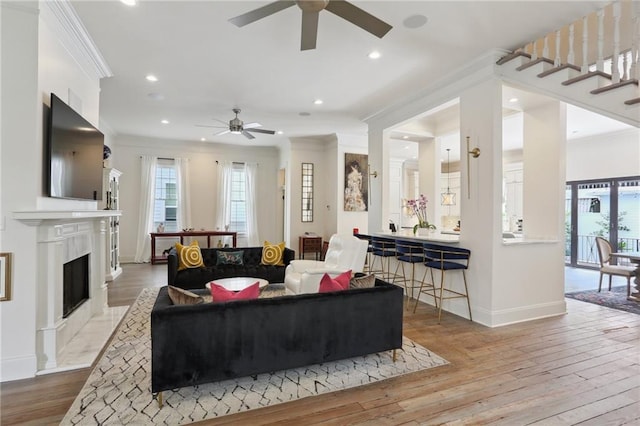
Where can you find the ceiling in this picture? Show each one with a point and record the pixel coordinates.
(206, 66)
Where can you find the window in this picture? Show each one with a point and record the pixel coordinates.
(238, 220)
(166, 198)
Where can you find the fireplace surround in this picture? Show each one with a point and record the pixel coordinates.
(63, 237)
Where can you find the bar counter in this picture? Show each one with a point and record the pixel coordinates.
(407, 235)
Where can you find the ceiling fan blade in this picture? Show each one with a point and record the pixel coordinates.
(268, 132)
(359, 17)
(208, 125)
(261, 12)
(248, 135)
(251, 125)
(224, 132)
(309, 30)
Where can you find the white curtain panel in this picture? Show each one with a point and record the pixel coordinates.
(145, 218)
(223, 214)
(251, 170)
(184, 197)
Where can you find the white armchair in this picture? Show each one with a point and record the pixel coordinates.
(345, 252)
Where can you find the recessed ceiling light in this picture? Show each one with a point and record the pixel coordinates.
(129, 2)
(374, 55)
(152, 78)
(203, 139)
(304, 114)
(164, 121)
(513, 100)
(280, 132)
(405, 137)
(415, 21)
(318, 102)
(406, 147)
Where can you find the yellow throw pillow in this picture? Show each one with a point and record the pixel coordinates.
(272, 254)
(189, 256)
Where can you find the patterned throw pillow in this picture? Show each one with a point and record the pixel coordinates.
(181, 296)
(221, 294)
(367, 281)
(189, 256)
(229, 257)
(272, 254)
(328, 284)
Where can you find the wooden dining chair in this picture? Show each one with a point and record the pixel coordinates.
(604, 255)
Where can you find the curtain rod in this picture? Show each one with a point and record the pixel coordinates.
(163, 158)
(235, 162)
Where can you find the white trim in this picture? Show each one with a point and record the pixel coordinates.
(65, 23)
(17, 368)
(502, 317)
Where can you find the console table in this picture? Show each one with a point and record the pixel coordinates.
(163, 258)
(310, 244)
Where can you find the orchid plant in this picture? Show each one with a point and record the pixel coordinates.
(418, 208)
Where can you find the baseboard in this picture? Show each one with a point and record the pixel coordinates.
(17, 368)
(509, 316)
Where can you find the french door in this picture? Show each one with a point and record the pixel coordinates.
(608, 208)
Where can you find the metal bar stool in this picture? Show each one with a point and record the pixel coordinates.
(383, 248)
(446, 258)
(409, 252)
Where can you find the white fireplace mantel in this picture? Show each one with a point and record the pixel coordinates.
(35, 217)
(63, 235)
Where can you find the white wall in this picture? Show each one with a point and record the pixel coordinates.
(604, 156)
(127, 150)
(34, 64)
(308, 150)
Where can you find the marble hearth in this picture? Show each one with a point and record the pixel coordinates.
(63, 236)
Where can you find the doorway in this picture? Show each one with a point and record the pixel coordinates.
(609, 208)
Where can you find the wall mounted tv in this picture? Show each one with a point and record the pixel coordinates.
(75, 150)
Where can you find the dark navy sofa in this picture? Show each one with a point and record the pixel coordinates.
(196, 344)
(192, 278)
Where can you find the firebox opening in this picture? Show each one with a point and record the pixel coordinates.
(76, 284)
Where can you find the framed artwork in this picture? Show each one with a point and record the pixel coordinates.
(5, 276)
(356, 182)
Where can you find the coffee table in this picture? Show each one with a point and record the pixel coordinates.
(239, 283)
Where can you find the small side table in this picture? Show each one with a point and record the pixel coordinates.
(310, 244)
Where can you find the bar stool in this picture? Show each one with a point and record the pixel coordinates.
(383, 248)
(409, 252)
(446, 258)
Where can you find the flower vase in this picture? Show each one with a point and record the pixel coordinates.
(423, 232)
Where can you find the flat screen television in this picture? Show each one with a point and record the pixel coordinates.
(75, 149)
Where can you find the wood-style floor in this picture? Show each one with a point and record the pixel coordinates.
(581, 368)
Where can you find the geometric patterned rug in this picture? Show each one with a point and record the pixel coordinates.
(118, 390)
(616, 299)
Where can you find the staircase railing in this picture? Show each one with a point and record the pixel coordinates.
(606, 41)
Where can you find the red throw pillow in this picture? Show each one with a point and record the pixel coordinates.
(341, 282)
(221, 294)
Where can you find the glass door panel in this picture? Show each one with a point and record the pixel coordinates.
(628, 217)
(593, 219)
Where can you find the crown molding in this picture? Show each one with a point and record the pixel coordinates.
(66, 24)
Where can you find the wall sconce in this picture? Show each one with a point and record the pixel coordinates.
(475, 153)
(375, 175)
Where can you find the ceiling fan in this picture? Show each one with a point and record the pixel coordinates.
(310, 12)
(237, 127)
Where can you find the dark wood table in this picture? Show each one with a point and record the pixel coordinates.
(310, 244)
(634, 257)
(163, 258)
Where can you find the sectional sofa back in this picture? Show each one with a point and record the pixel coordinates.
(251, 267)
(194, 344)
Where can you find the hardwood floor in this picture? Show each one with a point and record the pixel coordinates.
(581, 368)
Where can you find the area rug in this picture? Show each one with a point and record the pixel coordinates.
(616, 299)
(118, 390)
